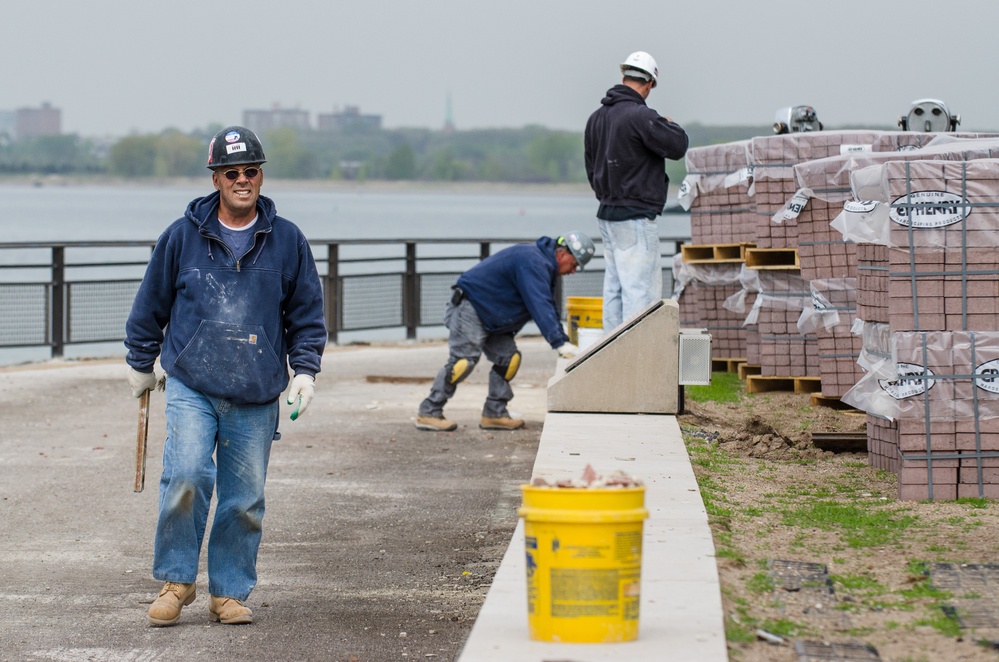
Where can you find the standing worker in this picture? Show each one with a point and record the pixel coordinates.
(490, 303)
(236, 288)
(626, 144)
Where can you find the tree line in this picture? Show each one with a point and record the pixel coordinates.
(532, 154)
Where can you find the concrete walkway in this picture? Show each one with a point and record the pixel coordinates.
(380, 541)
(681, 608)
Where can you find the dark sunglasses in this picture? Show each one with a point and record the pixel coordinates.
(233, 175)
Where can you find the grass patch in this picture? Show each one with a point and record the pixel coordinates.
(724, 387)
(859, 527)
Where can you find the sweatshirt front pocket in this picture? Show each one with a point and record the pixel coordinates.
(232, 361)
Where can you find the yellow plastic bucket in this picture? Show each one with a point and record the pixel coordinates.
(583, 312)
(584, 562)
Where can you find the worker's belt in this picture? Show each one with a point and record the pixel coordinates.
(457, 295)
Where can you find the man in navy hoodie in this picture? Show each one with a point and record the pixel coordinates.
(626, 144)
(490, 303)
(231, 298)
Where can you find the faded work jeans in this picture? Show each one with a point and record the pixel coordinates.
(240, 437)
(632, 268)
(468, 340)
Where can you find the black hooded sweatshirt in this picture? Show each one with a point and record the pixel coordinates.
(626, 144)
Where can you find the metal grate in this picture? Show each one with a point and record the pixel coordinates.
(98, 310)
(435, 291)
(24, 316)
(372, 301)
(982, 578)
(798, 575)
(695, 359)
(827, 651)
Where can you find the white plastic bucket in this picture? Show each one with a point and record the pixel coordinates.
(588, 336)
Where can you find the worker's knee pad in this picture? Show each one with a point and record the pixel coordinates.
(509, 371)
(461, 369)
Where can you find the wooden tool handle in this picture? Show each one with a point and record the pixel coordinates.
(140, 442)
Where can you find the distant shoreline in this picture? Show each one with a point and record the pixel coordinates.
(43, 181)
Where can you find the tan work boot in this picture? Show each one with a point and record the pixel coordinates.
(435, 423)
(173, 597)
(228, 611)
(502, 423)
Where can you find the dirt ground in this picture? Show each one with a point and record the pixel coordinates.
(777, 504)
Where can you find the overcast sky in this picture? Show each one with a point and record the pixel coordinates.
(120, 66)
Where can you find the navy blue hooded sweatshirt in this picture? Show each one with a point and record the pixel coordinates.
(232, 324)
(626, 144)
(514, 286)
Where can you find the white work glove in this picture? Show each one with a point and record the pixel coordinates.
(567, 351)
(303, 389)
(140, 381)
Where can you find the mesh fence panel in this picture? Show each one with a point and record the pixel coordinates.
(372, 301)
(98, 310)
(24, 314)
(435, 290)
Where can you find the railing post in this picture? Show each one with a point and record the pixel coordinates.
(411, 293)
(331, 291)
(483, 250)
(58, 302)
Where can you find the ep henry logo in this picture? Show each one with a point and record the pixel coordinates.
(912, 380)
(929, 209)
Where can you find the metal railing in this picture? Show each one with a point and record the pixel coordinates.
(64, 293)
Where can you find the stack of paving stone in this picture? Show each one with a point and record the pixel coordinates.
(785, 219)
(831, 315)
(784, 351)
(942, 303)
(716, 193)
(714, 284)
(826, 256)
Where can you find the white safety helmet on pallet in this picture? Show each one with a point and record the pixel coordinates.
(639, 63)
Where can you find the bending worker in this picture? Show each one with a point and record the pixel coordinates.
(626, 144)
(235, 288)
(491, 302)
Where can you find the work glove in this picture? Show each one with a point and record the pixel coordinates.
(567, 350)
(140, 381)
(303, 389)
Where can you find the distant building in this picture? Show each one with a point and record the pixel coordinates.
(34, 122)
(350, 119)
(448, 116)
(8, 123)
(261, 121)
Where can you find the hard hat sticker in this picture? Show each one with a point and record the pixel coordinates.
(238, 147)
(232, 136)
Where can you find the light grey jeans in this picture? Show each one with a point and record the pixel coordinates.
(469, 341)
(632, 268)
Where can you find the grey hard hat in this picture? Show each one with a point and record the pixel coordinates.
(580, 245)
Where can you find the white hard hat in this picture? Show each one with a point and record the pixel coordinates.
(644, 63)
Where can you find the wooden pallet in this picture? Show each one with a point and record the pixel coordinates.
(819, 400)
(761, 384)
(772, 258)
(724, 253)
(726, 365)
(745, 370)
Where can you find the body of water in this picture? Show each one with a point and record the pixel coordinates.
(324, 212)
(375, 211)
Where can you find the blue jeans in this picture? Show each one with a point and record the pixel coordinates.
(633, 276)
(240, 437)
(468, 340)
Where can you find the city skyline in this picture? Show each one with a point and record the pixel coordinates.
(117, 67)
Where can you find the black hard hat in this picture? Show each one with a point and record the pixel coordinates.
(234, 145)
